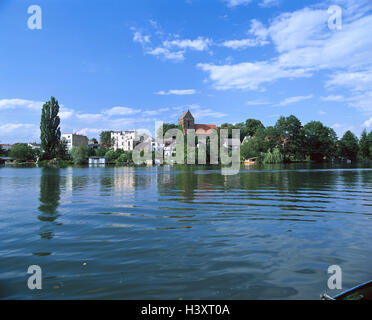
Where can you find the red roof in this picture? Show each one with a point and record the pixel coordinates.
(204, 128)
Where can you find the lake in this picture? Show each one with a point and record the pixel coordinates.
(184, 232)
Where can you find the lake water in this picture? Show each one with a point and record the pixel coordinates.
(184, 233)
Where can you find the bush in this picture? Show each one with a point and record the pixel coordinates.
(80, 154)
(273, 157)
(22, 152)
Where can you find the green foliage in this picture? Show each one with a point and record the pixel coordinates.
(62, 152)
(110, 155)
(125, 158)
(252, 125)
(80, 154)
(365, 145)
(254, 146)
(101, 151)
(22, 152)
(273, 157)
(349, 146)
(291, 137)
(166, 127)
(105, 138)
(320, 141)
(50, 133)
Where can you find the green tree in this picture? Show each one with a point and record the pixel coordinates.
(22, 152)
(348, 146)
(2, 151)
(291, 136)
(105, 138)
(272, 137)
(320, 141)
(252, 125)
(95, 141)
(50, 132)
(254, 146)
(166, 127)
(80, 154)
(364, 145)
(110, 155)
(101, 151)
(62, 151)
(124, 158)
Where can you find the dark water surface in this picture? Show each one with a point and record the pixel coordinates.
(190, 233)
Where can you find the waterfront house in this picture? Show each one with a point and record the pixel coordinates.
(98, 161)
(6, 147)
(74, 140)
(123, 140)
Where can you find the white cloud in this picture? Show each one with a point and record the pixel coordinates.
(234, 3)
(88, 116)
(249, 75)
(177, 92)
(305, 45)
(140, 38)
(121, 111)
(167, 54)
(20, 103)
(268, 3)
(333, 98)
(256, 102)
(259, 32)
(199, 44)
(368, 123)
(292, 100)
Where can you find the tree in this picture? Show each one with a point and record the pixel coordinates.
(124, 158)
(291, 135)
(2, 151)
(95, 141)
(80, 154)
(364, 145)
(348, 146)
(254, 146)
(166, 127)
(110, 155)
(320, 141)
(22, 152)
(101, 151)
(105, 138)
(62, 151)
(50, 132)
(272, 137)
(252, 125)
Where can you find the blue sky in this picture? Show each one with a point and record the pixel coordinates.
(120, 65)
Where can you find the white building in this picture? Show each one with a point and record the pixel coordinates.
(74, 140)
(124, 140)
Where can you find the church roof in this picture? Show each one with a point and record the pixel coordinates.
(186, 113)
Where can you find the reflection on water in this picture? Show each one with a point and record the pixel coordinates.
(185, 232)
(49, 201)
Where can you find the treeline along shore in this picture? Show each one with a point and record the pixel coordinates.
(287, 141)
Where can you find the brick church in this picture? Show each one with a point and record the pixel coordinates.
(187, 121)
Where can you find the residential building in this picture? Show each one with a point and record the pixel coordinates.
(34, 146)
(6, 147)
(124, 140)
(74, 140)
(98, 161)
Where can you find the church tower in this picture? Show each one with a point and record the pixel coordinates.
(187, 121)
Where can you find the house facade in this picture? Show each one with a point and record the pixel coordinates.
(123, 140)
(74, 140)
